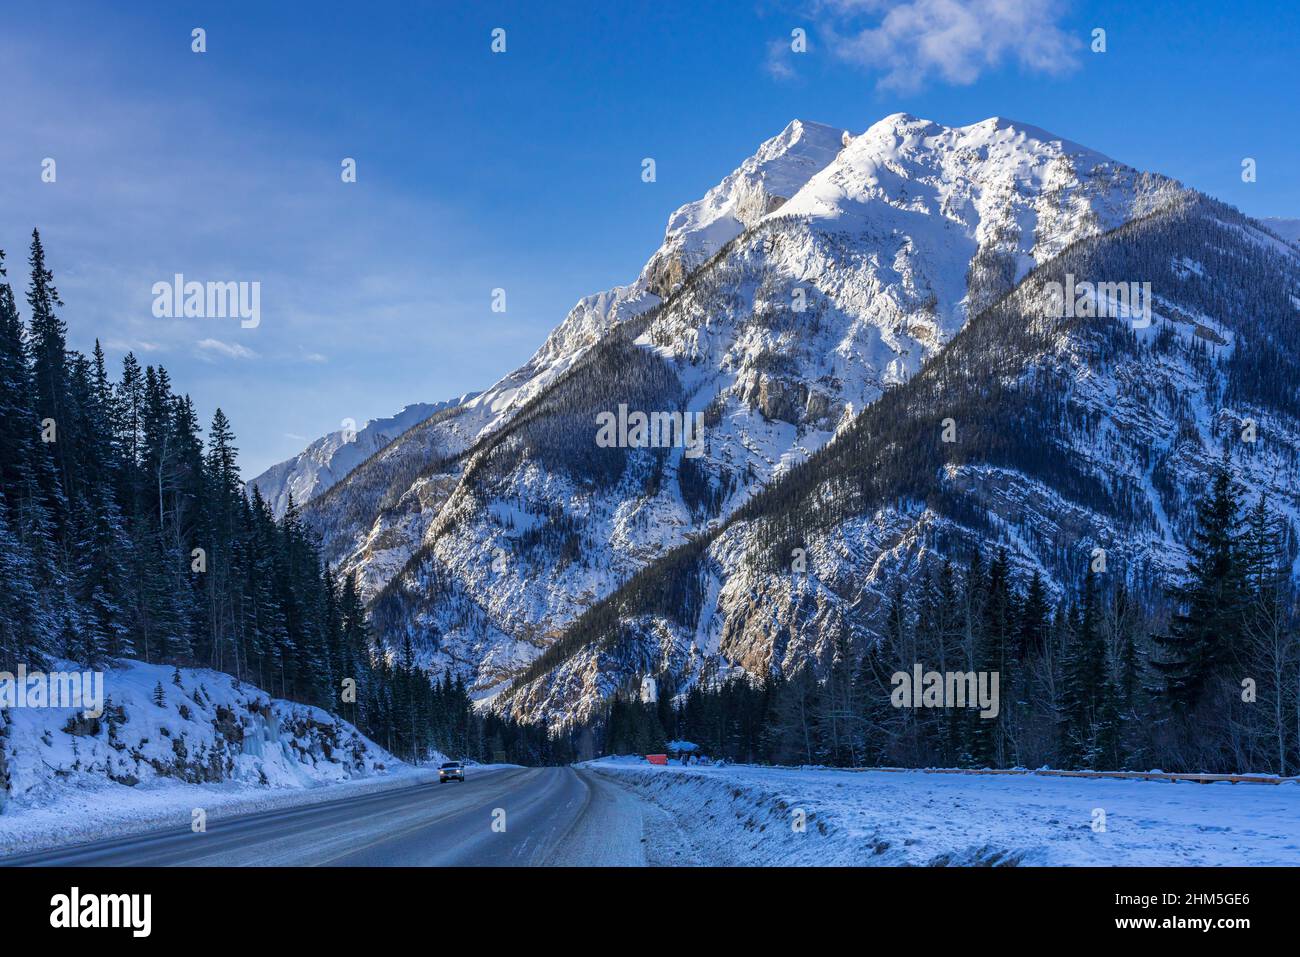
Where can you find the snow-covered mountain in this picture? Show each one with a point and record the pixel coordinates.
(1070, 435)
(331, 457)
(776, 317)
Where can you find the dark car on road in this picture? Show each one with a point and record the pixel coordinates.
(451, 771)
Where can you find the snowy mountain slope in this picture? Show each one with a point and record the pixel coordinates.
(376, 519)
(1072, 434)
(209, 732)
(331, 457)
(808, 316)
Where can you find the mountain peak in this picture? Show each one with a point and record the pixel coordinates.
(761, 184)
(905, 161)
(798, 128)
(917, 130)
(901, 123)
(1001, 126)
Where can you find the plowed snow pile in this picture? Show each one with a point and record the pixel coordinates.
(750, 815)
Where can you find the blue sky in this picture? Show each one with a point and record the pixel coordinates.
(522, 170)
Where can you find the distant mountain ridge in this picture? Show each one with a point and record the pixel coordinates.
(1288, 229)
(331, 457)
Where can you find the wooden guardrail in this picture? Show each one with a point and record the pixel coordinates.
(1173, 777)
(1122, 775)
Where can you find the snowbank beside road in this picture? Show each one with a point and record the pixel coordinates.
(739, 815)
(169, 742)
(79, 817)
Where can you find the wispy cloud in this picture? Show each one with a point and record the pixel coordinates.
(916, 42)
(133, 345)
(779, 63)
(228, 350)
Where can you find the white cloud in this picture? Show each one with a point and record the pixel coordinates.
(133, 345)
(954, 41)
(226, 349)
(778, 63)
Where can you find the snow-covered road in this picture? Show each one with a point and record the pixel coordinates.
(507, 816)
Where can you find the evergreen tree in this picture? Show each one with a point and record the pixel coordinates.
(1085, 681)
(1204, 631)
(48, 338)
(26, 631)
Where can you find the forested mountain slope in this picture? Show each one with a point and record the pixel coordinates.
(1077, 443)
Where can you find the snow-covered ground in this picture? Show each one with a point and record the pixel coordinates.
(163, 749)
(741, 815)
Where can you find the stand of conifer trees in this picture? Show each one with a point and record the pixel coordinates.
(1204, 678)
(123, 533)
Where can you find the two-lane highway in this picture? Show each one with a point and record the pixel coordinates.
(513, 816)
